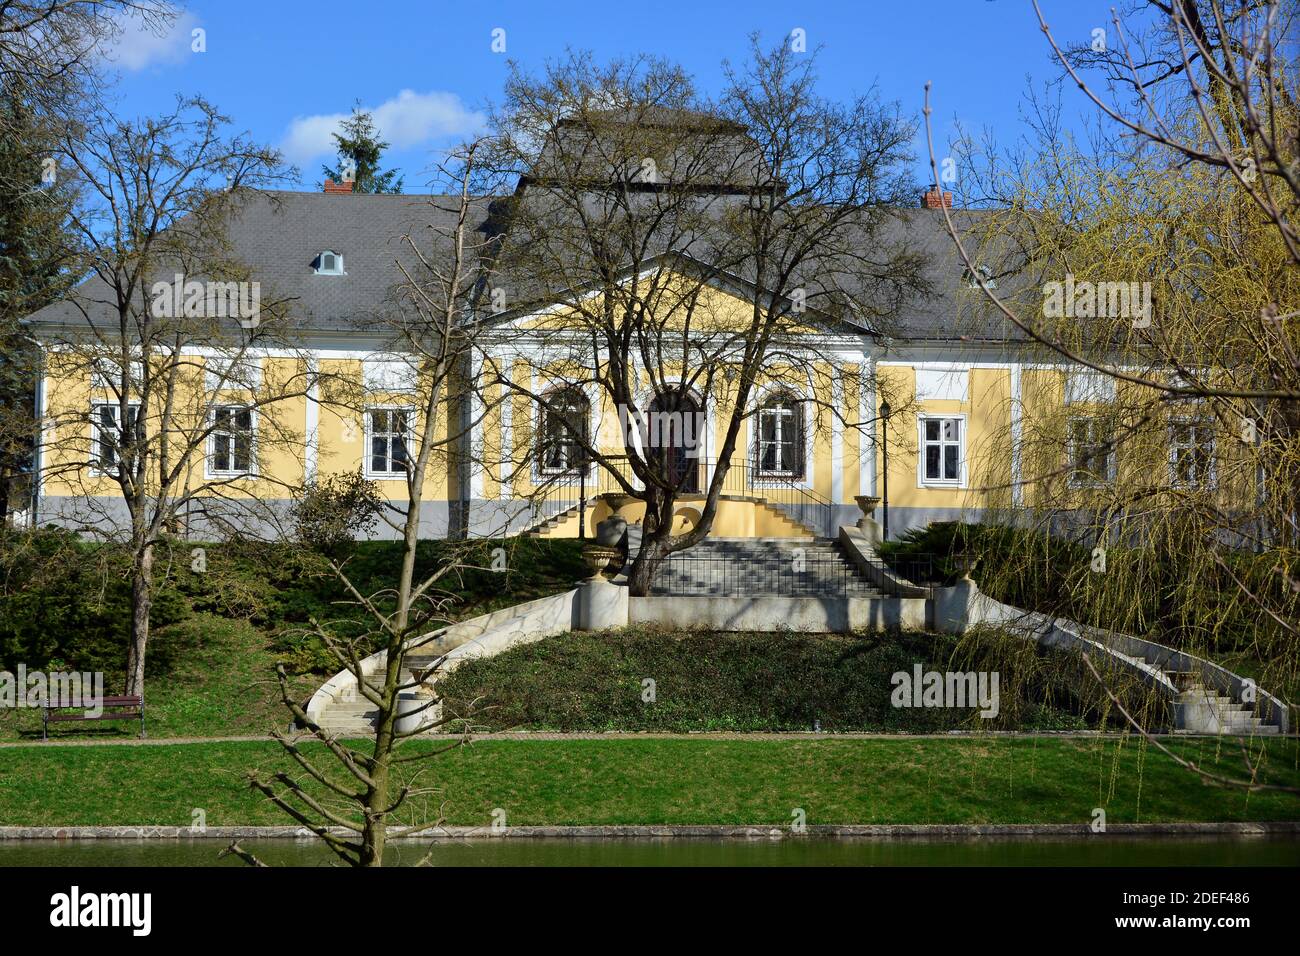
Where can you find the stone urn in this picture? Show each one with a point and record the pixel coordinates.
(616, 500)
(965, 564)
(867, 523)
(598, 557)
(414, 712)
(610, 531)
(868, 504)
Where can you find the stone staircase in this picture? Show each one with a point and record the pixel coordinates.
(351, 715)
(1206, 709)
(564, 524)
(552, 526)
(1215, 709)
(812, 567)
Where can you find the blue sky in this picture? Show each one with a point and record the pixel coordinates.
(285, 70)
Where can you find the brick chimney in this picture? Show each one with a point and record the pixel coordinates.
(933, 199)
(343, 187)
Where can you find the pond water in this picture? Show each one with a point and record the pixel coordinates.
(680, 851)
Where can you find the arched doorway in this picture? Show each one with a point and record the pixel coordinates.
(676, 438)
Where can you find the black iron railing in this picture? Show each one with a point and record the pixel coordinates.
(557, 493)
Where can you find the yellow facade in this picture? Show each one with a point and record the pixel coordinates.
(988, 409)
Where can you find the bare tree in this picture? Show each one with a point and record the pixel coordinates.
(1186, 453)
(643, 213)
(362, 789)
(51, 73)
(165, 327)
(54, 49)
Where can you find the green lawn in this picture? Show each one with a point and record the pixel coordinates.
(970, 780)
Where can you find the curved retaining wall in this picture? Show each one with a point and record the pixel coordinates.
(964, 605)
(543, 617)
(826, 615)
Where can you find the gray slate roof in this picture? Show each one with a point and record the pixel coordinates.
(278, 235)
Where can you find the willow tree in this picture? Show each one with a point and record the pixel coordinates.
(638, 200)
(1159, 281)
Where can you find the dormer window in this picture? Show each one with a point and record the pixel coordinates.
(972, 278)
(329, 264)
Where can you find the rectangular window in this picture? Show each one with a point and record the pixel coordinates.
(388, 433)
(1191, 453)
(231, 440)
(564, 433)
(107, 437)
(780, 439)
(941, 450)
(1092, 452)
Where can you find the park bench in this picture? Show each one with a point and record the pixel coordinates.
(114, 708)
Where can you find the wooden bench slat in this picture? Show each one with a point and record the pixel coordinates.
(129, 707)
(64, 718)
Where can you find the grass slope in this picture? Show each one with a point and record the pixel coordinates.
(212, 660)
(718, 681)
(971, 780)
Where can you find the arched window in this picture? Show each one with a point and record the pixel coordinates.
(779, 451)
(563, 432)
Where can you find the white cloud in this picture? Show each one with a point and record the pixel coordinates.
(408, 119)
(139, 46)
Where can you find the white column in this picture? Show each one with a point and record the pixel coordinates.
(867, 438)
(507, 427)
(44, 439)
(311, 424)
(474, 429)
(1017, 492)
(837, 432)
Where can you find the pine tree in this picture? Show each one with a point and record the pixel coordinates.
(35, 249)
(359, 152)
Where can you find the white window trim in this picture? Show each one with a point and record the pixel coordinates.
(95, 428)
(211, 442)
(1212, 481)
(339, 270)
(369, 432)
(214, 366)
(1087, 387)
(776, 479)
(1072, 481)
(106, 374)
(375, 367)
(950, 374)
(569, 476)
(921, 480)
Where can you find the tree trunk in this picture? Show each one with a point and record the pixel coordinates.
(141, 604)
(642, 573)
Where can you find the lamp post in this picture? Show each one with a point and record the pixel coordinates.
(582, 501)
(885, 411)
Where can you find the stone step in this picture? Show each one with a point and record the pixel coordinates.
(347, 708)
(365, 730)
